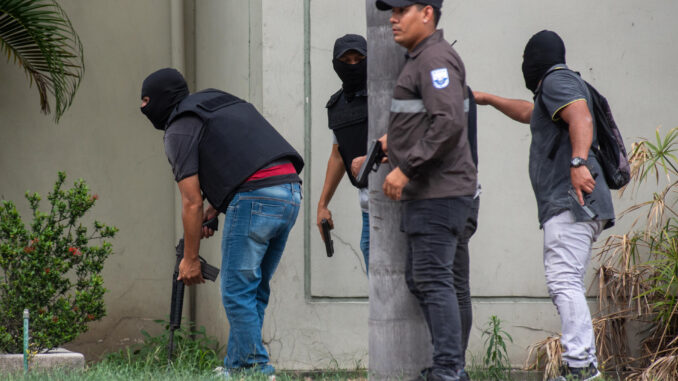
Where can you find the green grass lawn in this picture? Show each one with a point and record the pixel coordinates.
(107, 371)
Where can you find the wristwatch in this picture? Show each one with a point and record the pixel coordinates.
(577, 162)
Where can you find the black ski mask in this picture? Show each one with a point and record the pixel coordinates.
(544, 50)
(353, 76)
(165, 88)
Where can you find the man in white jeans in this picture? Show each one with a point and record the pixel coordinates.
(573, 201)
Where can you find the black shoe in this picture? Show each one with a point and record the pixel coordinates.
(463, 376)
(424, 373)
(568, 373)
(429, 374)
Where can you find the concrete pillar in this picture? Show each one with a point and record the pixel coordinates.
(399, 341)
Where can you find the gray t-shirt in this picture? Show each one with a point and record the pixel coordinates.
(551, 177)
(181, 146)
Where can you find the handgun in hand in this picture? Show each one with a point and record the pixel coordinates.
(327, 237)
(372, 162)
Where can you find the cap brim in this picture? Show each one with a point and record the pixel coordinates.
(385, 5)
(343, 51)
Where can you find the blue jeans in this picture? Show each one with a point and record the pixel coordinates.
(365, 241)
(256, 228)
(433, 228)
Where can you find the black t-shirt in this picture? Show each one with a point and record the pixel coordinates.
(181, 146)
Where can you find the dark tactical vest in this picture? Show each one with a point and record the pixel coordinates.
(348, 121)
(235, 142)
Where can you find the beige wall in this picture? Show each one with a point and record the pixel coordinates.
(255, 49)
(104, 139)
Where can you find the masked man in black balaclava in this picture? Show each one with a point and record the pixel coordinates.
(574, 206)
(220, 148)
(347, 116)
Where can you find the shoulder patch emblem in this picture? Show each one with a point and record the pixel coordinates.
(440, 78)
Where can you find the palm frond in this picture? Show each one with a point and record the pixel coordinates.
(38, 36)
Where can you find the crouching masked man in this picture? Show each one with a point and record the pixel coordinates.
(221, 148)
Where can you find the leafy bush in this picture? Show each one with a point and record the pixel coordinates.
(51, 269)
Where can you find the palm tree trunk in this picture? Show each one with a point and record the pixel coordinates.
(399, 341)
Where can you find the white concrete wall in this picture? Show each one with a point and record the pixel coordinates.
(255, 49)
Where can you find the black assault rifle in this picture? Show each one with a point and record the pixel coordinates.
(208, 271)
(372, 162)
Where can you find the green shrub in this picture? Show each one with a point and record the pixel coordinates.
(51, 269)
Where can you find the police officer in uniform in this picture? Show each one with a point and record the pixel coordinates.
(347, 117)
(221, 148)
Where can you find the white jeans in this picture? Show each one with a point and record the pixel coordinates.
(567, 251)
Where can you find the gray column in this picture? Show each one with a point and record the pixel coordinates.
(399, 341)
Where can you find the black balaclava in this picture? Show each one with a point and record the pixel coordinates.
(165, 88)
(544, 50)
(353, 77)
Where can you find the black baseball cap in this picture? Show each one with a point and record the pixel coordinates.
(385, 5)
(350, 42)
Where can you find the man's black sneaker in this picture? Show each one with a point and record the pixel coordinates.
(423, 373)
(463, 376)
(428, 374)
(568, 373)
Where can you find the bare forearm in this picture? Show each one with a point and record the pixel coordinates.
(333, 174)
(581, 137)
(191, 216)
(516, 109)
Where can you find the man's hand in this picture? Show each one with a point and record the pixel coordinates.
(356, 164)
(384, 145)
(582, 181)
(358, 161)
(324, 213)
(189, 272)
(516, 109)
(394, 184)
(207, 215)
(481, 98)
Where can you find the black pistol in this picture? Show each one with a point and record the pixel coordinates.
(208, 271)
(329, 245)
(372, 162)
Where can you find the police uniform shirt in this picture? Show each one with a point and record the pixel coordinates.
(427, 134)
